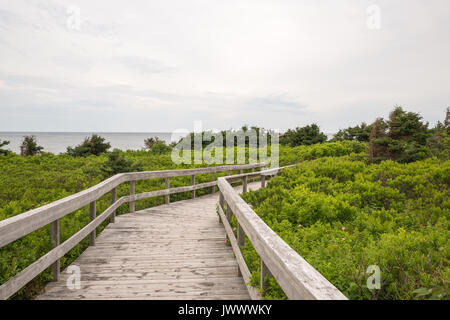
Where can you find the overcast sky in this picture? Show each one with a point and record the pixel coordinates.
(149, 66)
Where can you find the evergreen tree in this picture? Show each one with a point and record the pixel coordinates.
(3, 151)
(30, 147)
(360, 133)
(378, 141)
(150, 142)
(447, 121)
(94, 145)
(402, 138)
(439, 143)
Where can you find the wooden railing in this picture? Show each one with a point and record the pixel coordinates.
(298, 279)
(21, 225)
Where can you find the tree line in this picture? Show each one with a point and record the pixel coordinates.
(403, 137)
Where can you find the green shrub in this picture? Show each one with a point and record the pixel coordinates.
(30, 147)
(3, 152)
(343, 215)
(95, 145)
(117, 163)
(307, 135)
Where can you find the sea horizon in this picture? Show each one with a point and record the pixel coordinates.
(57, 142)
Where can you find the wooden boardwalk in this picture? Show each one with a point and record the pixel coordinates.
(174, 251)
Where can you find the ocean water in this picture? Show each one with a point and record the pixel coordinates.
(57, 142)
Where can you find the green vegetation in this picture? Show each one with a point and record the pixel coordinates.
(30, 182)
(388, 207)
(343, 215)
(117, 163)
(376, 195)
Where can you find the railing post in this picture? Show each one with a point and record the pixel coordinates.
(167, 187)
(55, 238)
(113, 200)
(132, 189)
(221, 199)
(229, 213)
(264, 273)
(213, 175)
(263, 181)
(240, 235)
(92, 215)
(244, 184)
(193, 183)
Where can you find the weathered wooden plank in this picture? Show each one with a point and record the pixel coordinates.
(193, 183)
(240, 235)
(163, 283)
(229, 213)
(167, 197)
(166, 192)
(112, 219)
(166, 274)
(213, 177)
(92, 216)
(55, 236)
(202, 295)
(265, 272)
(95, 258)
(130, 198)
(156, 290)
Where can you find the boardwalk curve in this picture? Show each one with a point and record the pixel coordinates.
(174, 251)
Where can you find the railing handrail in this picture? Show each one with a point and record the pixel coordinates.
(20, 225)
(297, 278)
